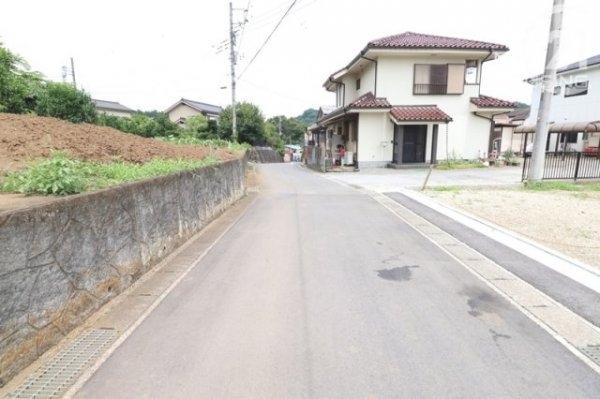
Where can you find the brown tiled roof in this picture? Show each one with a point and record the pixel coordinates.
(491, 102)
(370, 101)
(417, 40)
(409, 113)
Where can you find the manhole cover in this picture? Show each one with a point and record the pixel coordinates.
(52, 379)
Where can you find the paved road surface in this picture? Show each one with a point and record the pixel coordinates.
(320, 292)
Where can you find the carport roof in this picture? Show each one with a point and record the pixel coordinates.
(567, 127)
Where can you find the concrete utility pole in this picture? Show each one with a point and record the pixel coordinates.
(536, 167)
(73, 72)
(233, 60)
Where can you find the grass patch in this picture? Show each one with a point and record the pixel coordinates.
(562, 186)
(459, 164)
(211, 143)
(453, 189)
(60, 175)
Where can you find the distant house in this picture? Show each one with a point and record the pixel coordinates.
(504, 137)
(112, 108)
(185, 108)
(574, 108)
(409, 98)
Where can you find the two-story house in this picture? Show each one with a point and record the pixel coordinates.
(411, 99)
(575, 104)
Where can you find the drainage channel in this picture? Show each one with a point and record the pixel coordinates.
(55, 377)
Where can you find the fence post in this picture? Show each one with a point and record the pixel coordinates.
(525, 166)
(577, 165)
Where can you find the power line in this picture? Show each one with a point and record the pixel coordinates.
(267, 39)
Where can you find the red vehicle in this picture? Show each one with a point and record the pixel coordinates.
(590, 151)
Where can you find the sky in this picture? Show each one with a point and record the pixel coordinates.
(149, 54)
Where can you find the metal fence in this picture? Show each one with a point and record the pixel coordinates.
(566, 166)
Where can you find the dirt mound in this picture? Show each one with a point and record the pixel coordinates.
(26, 137)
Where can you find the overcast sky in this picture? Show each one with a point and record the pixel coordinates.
(149, 54)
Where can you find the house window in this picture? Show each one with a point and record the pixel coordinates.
(569, 137)
(357, 84)
(439, 79)
(557, 90)
(576, 89)
(471, 72)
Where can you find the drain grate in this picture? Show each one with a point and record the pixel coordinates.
(52, 379)
(592, 351)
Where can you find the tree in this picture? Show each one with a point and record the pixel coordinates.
(272, 137)
(308, 117)
(292, 130)
(18, 86)
(250, 124)
(199, 126)
(61, 100)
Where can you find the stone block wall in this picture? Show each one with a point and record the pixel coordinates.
(61, 261)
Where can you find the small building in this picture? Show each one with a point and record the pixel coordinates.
(185, 108)
(112, 108)
(504, 137)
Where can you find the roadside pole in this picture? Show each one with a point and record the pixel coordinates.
(538, 154)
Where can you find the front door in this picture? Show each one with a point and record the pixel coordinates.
(413, 146)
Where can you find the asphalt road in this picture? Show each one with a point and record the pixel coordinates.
(318, 291)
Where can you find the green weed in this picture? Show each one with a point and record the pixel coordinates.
(562, 186)
(60, 175)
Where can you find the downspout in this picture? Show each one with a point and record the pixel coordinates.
(374, 61)
(487, 57)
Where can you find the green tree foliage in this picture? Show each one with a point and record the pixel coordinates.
(250, 124)
(141, 124)
(272, 137)
(200, 127)
(61, 100)
(292, 130)
(18, 86)
(308, 117)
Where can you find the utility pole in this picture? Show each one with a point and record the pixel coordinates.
(538, 154)
(233, 61)
(73, 72)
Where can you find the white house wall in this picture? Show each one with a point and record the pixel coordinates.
(375, 147)
(367, 83)
(571, 109)
(182, 111)
(468, 135)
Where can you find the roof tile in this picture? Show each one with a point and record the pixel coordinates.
(491, 102)
(418, 40)
(370, 101)
(409, 113)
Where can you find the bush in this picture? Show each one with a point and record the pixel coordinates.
(58, 175)
(63, 101)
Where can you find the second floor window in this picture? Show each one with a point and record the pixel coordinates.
(576, 89)
(439, 79)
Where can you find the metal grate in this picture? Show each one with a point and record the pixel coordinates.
(593, 352)
(52, 379)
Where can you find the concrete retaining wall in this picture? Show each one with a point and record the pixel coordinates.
(62, 261)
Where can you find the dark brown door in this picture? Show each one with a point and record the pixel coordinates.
(413, 148)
